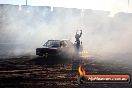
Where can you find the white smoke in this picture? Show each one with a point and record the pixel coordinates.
(31, 27)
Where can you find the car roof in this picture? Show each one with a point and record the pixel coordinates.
(60, 40)
(53, 40)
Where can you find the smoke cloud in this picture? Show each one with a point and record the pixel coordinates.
(24, 28)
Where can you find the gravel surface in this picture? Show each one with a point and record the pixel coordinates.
(38, 72)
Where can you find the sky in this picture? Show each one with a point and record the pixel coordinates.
(107, 5)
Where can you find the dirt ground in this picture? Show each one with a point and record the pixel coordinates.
(38, 72)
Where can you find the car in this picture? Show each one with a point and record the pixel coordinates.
(61, 48)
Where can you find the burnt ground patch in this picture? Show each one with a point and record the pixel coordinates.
(34, 72)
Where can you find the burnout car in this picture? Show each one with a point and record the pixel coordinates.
(63, 48)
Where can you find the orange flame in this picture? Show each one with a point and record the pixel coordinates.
(81, 71)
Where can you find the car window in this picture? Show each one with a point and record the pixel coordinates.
(52, 44)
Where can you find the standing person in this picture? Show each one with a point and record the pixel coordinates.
(78, 36)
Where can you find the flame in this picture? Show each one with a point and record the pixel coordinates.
(81, 71)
